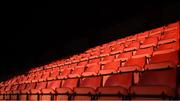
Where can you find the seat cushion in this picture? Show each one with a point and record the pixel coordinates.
(47, 91)
(152, 90)
(112, 90)
(64, 90)
(84, 90)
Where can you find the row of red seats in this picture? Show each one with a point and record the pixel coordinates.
(137, 63)
(165, 48)
(153, 84)
(154, 37)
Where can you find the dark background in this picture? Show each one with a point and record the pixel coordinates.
(35, 33)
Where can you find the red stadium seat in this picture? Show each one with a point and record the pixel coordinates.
(132, 38)
(167, 48)
(105, 52)
(94, 54)
(50, 89)
(133, 64)
(132, 46)
(149, 42)
(172, 26)
(82, 64)
(124, 56)
(117, 49)
(110, 68)
(14, 91)
(87, 87)
(163, 61)
(115, 87)
(143, 52)
(65, 73)
(34, 92)
(107, 59)
(66, 88)
(93, 62)
(170, 36)
(54, 73)
(23, 93)
(91, 70)
(155, 85)
(76, 72)
(156, 31)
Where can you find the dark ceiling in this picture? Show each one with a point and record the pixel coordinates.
(35, 33)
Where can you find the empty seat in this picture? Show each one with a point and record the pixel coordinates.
(132, 46)
(23, 93)
(124, 56)
(132, 37)
(115, 87)
(107, 59)
(45, 75)
(37, 90)
(155, 85)
(170, 36)
(66, 90)
(76, 72)
(84, 57)
(143, 35)
(149, 42)
(163, 61)
(143, 52)
(7, 90)
(122, 40)
(105, 52)
(117, 49)
(64, 74)
(91, 70)
(14, 92)
(94, 54)
(156, 31)
(133, 64)
(50, 89)
(172, 26)
(167, 48)
(82, 64)
(110, 68)
(54, 74)
(87, 88)
(93, 62)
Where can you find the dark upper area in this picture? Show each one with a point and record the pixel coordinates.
(35, 33)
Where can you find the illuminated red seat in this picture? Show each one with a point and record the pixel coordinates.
(172, 26)
(107, 59)
(115, 87)
(66, 88)
(117, 48)
(132, 46)
(143, 35)
(155, 85)
(7, 90)
(50, 89)
(82, 64)
(93, 62)
(23, 93)
(133, 64)
(84, 57)
(95, 54)
(170, 36)
(149, 42)
(37, 90)
(105, 52)
(122, 40)
(76, 72)
(87, 87)
(156, 32)
(37, 77)
(110, 68)
(143, 52)
(64, 74)
(54, 73)
(132, 38)
(167, 48)
(45, 75)
(163, 61)
(124, 56)
(14, 91)
(91, 70)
